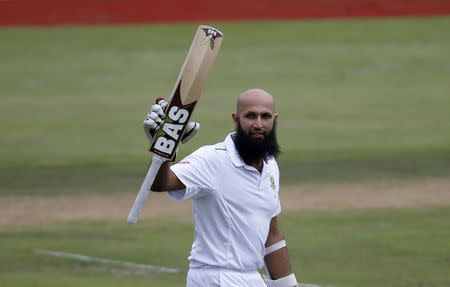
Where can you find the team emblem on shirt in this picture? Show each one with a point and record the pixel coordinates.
(272, 182)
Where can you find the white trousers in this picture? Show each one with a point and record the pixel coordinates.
(217, 277)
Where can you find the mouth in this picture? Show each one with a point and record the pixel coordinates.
(257, 134)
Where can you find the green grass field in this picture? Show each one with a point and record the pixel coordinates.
(359, 101)
(401, 248)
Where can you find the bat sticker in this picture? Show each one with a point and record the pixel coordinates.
(210, 36)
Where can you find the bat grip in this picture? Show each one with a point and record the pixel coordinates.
(145, 188)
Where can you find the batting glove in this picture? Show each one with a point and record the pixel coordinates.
(155, 118)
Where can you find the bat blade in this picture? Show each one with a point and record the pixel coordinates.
(186, 92)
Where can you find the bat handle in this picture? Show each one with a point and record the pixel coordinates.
(145, 189)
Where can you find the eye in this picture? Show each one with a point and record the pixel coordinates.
(250, 116)
(267, 116)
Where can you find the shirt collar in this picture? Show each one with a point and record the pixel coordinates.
(232, 151)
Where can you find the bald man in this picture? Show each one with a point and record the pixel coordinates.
(234, 188)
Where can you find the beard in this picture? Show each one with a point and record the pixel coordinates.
(253, 151)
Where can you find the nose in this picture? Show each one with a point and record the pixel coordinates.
(258, 123)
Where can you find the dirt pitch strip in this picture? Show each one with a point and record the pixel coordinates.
(57, 209)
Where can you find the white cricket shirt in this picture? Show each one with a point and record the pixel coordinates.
(232, 204)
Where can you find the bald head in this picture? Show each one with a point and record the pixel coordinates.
(254, 97)
(255, 111)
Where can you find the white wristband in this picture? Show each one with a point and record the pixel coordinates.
(286, 281)
(275, 247)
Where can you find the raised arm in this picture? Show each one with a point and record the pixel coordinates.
(166, 180)
(277, 265)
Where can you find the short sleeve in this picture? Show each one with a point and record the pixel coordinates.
(198, 173)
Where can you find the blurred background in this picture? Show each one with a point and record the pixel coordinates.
(363, 95)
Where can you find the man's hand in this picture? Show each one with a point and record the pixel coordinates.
(155, 118)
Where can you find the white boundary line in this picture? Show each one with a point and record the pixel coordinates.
(105, 261)
(117, 262)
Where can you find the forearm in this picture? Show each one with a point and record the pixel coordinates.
(162, 178)
(166, 180)
(276, 260)
(278, 264)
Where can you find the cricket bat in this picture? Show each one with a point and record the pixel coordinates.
(187, 91)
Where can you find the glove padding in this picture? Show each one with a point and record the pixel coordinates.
(155, 118)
